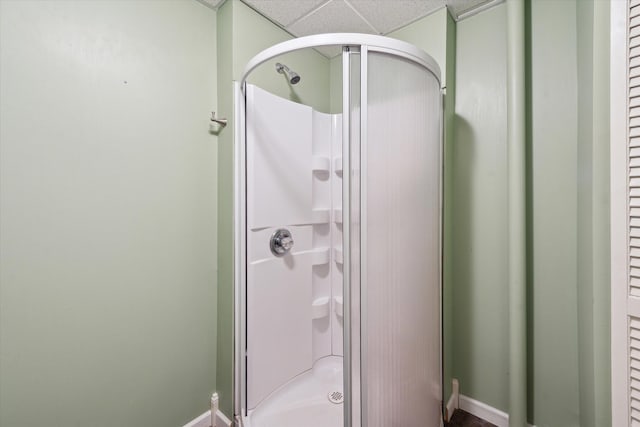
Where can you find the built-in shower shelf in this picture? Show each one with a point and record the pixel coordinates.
(337, 165)
(321, 216)
(320, 308)
(317, 256)
(337, 215)
(337, 306)
(321, 164)
(320, 256)
(337, 255)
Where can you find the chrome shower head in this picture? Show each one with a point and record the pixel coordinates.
(291, 75)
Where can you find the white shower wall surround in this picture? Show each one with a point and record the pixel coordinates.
(294, 302)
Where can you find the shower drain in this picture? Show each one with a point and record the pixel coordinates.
(335, 397)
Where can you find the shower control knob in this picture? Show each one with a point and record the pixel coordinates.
(281, 242)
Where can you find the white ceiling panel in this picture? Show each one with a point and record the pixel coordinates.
(329, 51)
(335, 16)
(389, 15)
(461, 7)
(307, 17)
(284, 12)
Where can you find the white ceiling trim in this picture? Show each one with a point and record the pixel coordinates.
(477, 9)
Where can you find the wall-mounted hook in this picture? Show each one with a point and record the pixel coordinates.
(222, 121)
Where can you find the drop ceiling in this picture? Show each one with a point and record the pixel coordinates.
(307, 17)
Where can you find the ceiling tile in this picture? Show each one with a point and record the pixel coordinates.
(334, 17)
(458, 7)
(389, 15)
(330, 51)
(284, 12)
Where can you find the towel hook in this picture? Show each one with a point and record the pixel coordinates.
(221, 121)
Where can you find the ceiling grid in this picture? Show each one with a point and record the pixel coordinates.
(306, 17)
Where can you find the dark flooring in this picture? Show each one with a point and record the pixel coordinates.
(461, 418)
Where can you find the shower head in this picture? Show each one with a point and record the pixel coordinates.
(291, 75)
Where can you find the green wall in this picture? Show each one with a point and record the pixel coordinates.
(430, 34)
(593, 213)
(243, 33)
(225, 342)
(553, 143)
(567, 196)
(108, 242)
(480, 355)
(107, 213)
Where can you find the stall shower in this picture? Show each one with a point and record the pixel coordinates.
(338, 243)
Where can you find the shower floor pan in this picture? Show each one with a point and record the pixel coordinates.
(315, 396)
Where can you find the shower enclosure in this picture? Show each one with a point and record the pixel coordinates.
(338, 244)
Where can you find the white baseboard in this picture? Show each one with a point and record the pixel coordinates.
(467, 404)
(222, 420)
(451, 406)
(204, 420)
(484, 411)
(454, 400)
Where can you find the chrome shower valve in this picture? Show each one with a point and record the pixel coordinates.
(281, 242)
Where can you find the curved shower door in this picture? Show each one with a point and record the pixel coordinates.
(394, 238)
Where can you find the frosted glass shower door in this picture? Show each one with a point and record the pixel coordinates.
(399, 245)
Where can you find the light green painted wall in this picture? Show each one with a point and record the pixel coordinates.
(568, 342)
(335, 85)
(593, 213)
(430, 35)
(107, 213)
(253, 34)
(480, 355)
(224, 366)
(553, 300)
(243, 33)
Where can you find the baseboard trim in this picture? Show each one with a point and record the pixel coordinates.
(466, 403)
(204, 420)
(454, 400)
(484, 411)
(451, 406)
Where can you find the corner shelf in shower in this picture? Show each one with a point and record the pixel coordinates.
(320, 164)
(320, 308)
(337, 165)
(337, 306)
(337, 215)
(321, 216)
(337, 255)
(318, 256)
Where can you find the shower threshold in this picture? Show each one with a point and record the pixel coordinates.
(312, 399)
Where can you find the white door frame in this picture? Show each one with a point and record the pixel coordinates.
(621, 302)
